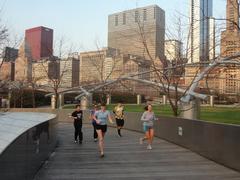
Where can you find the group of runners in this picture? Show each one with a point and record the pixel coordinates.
(99, 116)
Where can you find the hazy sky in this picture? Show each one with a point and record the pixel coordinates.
(82, 22)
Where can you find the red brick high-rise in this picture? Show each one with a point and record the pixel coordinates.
(40, 42)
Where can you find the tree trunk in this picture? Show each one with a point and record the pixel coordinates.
(21, 99)
(33, 99)
(56, 100)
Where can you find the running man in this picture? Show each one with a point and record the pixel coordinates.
(101, 118)
(148, 118)
(77, 115)
(119, 116)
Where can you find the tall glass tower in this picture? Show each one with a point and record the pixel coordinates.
(200, 13)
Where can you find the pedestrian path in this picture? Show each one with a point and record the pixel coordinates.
(126, 159)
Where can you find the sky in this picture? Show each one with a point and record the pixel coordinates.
(82, 23)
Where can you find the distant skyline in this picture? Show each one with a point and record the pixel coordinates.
(82, 23)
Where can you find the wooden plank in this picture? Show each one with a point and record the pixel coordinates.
(126, 159)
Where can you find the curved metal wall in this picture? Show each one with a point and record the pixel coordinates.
(23, 158)
(218, 142)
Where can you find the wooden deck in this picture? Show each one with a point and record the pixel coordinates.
(126, 159)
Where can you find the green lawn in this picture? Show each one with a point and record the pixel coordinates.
(228, 115)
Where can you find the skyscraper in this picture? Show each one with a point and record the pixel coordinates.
(200, 11)
(128, 30)
(212, 39)
(230, 44)
(23, 64)
(230, 38)
(40, 42)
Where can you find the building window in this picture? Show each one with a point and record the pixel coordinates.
(136, 16)
(124, 18)
(116, 20)
(144, 14)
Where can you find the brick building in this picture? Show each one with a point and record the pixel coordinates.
(230, 44)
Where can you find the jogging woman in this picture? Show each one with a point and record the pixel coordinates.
(119, 116)
(101, 118)
(148, 117)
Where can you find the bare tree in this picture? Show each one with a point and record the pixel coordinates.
(4, 37)
(53, 70)
(172, 74)
(168, 74)
(101, 66)
(38, 77)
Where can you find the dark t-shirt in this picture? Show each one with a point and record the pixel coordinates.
(92, 113)
(78, 115)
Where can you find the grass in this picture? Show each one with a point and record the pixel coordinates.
(227, 115)
(159, 110)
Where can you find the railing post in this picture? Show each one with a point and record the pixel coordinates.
(84, 102)
(53, 101)
(211, 101)
(164, 99)
(139, 99)
(109, 99)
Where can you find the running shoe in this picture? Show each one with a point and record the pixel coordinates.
(101, 155)
(149, 147)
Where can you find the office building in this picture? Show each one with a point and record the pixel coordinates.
(7, 71)
(198, 49)
(23, 64)
(69, 72)
(230, 38)
(45, 71)
(230, 45)
(100, 65)
(173, 50)
(40, 42)
(212, 39)
(137, 31)
(10, 54)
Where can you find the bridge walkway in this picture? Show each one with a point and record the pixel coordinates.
(126, 159)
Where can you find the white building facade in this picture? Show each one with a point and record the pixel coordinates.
(200, 11)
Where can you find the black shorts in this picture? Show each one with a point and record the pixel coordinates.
(120, 122)
(101, 127)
